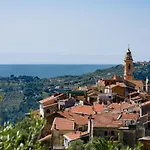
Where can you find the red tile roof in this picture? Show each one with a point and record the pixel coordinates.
(78, 119)
(107, 120)
(49, 100)
(62, 124)
(138, 83)
(127, 116)
(145, 103)
(98, 108)
(120, 106)
(75, 135)
(83, 109)
(54, 104)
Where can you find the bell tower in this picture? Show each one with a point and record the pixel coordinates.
(128, 65)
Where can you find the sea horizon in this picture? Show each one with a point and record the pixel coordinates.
(49, 70)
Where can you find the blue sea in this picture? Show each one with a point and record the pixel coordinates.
(49, 70)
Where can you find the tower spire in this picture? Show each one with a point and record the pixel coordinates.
(128, 68)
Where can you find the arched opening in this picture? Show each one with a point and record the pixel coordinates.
(129, 66)
(48, 111)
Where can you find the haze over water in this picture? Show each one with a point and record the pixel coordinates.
(49, 70)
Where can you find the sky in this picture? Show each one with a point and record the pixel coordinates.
(73, 31)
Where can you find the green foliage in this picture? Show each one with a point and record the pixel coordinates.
(76, 145)
(22, 136)
(100, 144)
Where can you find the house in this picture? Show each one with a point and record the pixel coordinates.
(119, 88)
(48, 106)
(129, 118)
(106, 125)
(81, 121)
(130, 135)
(121, 107)
(60, 127)
(145, 107)
(75, 135)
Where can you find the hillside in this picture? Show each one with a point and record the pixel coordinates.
(20, 94)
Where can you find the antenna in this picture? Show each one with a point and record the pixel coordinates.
(128, 46)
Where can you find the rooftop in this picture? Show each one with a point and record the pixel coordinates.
(78, 119)
(49, 100)
(62, 124)
(75, 135)
(107, 120)
(120, 106)
(129, 116)
(87, 110)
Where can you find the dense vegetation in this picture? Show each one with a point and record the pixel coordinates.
(22, 136)
(22, 93)
(100, 144)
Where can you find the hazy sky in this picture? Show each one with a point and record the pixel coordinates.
(73, 31)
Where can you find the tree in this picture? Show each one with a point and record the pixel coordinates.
(76, 145)
(22, 136)
(100, 144)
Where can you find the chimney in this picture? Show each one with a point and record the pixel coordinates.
(90, 127)
(88, 99)
(69, 95)
(147, 84)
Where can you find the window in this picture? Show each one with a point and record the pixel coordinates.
(112, 133)
(105, 133)
(48, 111)
(129, 66)
(109, 96)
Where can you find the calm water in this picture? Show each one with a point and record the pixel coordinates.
(47, 71)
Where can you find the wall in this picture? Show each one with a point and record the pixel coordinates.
(119, 90)
(101, 132)
(41, 110)
(57, 137)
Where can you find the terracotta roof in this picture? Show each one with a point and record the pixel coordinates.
(107, 120)
(138, 83)
(78, 119)
(49, 100)
(145, 103)
(82, 109)
(127, 116)
(117, 84)
(120, 106)
(133, 93)
(111, 86)
(136, 98)
(54, 104)
(121, 84)
(62, 124)
(75, 135)
(98, 107)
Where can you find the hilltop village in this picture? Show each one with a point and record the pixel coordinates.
(115, 108)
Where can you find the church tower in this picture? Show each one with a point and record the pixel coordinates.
(128, 65)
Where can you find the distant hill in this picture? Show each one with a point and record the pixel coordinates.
(20, 94)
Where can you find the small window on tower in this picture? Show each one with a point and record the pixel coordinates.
(129, 67)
